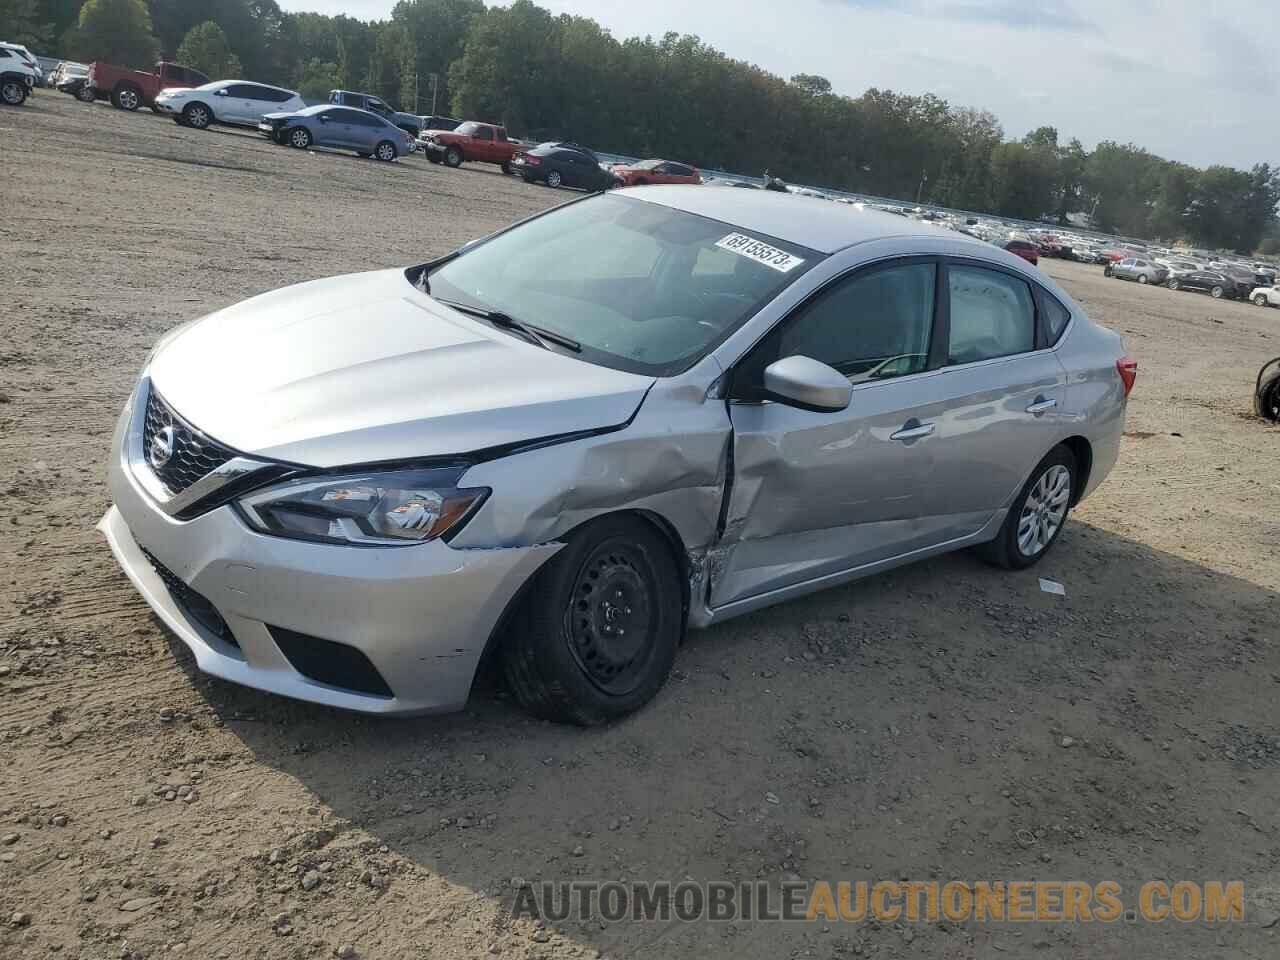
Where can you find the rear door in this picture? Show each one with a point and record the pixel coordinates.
(483, 144)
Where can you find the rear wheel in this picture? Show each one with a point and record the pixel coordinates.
(13, 92)
(127, 98)
(1037, 515)
(506, 167)
(1260, 300)
(196, 115)
(600, 626)
(86, 94)
(553, 178)
(299, 137)
(1216, 292)
(385, 151)
(1142, 278)
(1266, 402)
(453, 157)
(1107, 271)
(1173, 283)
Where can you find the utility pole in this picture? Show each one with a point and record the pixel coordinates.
(924, 178)
(435, 87)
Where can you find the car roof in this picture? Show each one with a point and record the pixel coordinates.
(809, 221)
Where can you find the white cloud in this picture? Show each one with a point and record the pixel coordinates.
(1186, 80)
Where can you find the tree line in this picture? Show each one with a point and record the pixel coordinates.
(566, 77)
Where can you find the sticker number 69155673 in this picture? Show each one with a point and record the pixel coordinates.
(754, 249)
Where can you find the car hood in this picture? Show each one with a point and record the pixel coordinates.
(363, 368)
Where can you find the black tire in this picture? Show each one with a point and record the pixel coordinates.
(566, 658)
(1173, 283)
(1142, 278)
(197, 115)
(1260, 300)
(1266, 401)
(553, 179)
(86, 94)
(506, 167)
(1216, 292)
(385, 151)
(126, 97)
(13, 92)
(298, 137)
(1006, 550)
(453, 157)
(1107, 271)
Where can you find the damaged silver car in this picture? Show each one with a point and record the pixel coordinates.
(565, 444)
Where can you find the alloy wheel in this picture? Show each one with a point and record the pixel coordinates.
(12, 92)
(386, 151)
(86, 94)
(300, 139)
(128, 99)
(611, 618)
(553, 179)
(1216, 293)
(1044, 510)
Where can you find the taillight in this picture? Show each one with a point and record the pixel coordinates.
(1128, 368)
(531, 161)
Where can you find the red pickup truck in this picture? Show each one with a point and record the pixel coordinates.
(482, 142)
(130, 89)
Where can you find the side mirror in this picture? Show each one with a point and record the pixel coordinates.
(221, 92)
(808, 384)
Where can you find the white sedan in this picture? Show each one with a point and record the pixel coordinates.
(233, 102)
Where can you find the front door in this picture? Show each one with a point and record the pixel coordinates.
(818, 493)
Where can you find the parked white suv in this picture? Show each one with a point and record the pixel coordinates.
(18, 74)
(1266, 296)
(236, 102)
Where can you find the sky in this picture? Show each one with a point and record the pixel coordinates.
(1189, 81)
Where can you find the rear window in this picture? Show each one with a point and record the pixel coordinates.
(1056, 317)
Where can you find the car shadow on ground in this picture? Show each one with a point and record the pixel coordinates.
(942, 721)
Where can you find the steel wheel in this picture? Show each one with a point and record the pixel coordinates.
(611, 618)
(386, 151)
(13, 92)
(553, 178)
(300, 137)
(1044, 510)
(1217, 293)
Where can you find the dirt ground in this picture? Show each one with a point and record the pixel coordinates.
(945, 721)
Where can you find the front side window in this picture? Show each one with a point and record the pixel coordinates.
(642, 287)
(992, 315)
(873, 326)
(468, 129)
(484, 133)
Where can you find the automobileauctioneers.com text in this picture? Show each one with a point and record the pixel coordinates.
(1017, 901)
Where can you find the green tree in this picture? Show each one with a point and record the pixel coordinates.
(1023, 180)
(811, 84)
(318, 78)
(118, 31)
(205, 47)
(24, 22)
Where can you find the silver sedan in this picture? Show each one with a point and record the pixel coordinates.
(566, 443)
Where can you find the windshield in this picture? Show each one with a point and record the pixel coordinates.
(640, 286)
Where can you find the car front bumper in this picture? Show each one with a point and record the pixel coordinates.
(420, 614)
(166, 107)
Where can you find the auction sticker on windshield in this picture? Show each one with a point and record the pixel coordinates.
(745, 246)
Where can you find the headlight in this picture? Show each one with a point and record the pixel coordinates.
(397, 508)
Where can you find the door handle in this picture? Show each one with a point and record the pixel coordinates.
(1041, 405)
(912, 430)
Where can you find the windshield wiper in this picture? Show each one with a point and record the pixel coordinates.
(536, 335)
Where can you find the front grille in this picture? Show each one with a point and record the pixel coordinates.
(194, 454)
(337, 664)
(192, 603)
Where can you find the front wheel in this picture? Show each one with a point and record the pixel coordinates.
(1142, 278)
(1037, 515)
(128, 98)
(1107, 271)
(300, 138)
(385, 151)
(1266, 399)
(506, 167)
(553, 178)
(598, 632)
(86, 94)
(453, 157)
(13, 92)
(196, 115)
(1260, 300)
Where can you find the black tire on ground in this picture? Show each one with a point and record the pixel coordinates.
(1266, 401)
(13, 92)
(126, 97)
(1260, 300)
(1142, 278)
(1107, 271)
(385, 151)
(1035, 510)
(453, 157)
(552, 179)
(298, 137)
(86, 94)
(1173, 283)
(568, 657)
(506, 167)
(197, 115)
(1216, 293)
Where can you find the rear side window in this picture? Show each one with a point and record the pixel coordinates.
(992, 315)
(1056, 317)
(484, 133)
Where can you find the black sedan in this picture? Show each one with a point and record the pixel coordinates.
(564, 165)
(1217, 285)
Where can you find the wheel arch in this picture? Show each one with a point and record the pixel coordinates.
(1082, 450)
